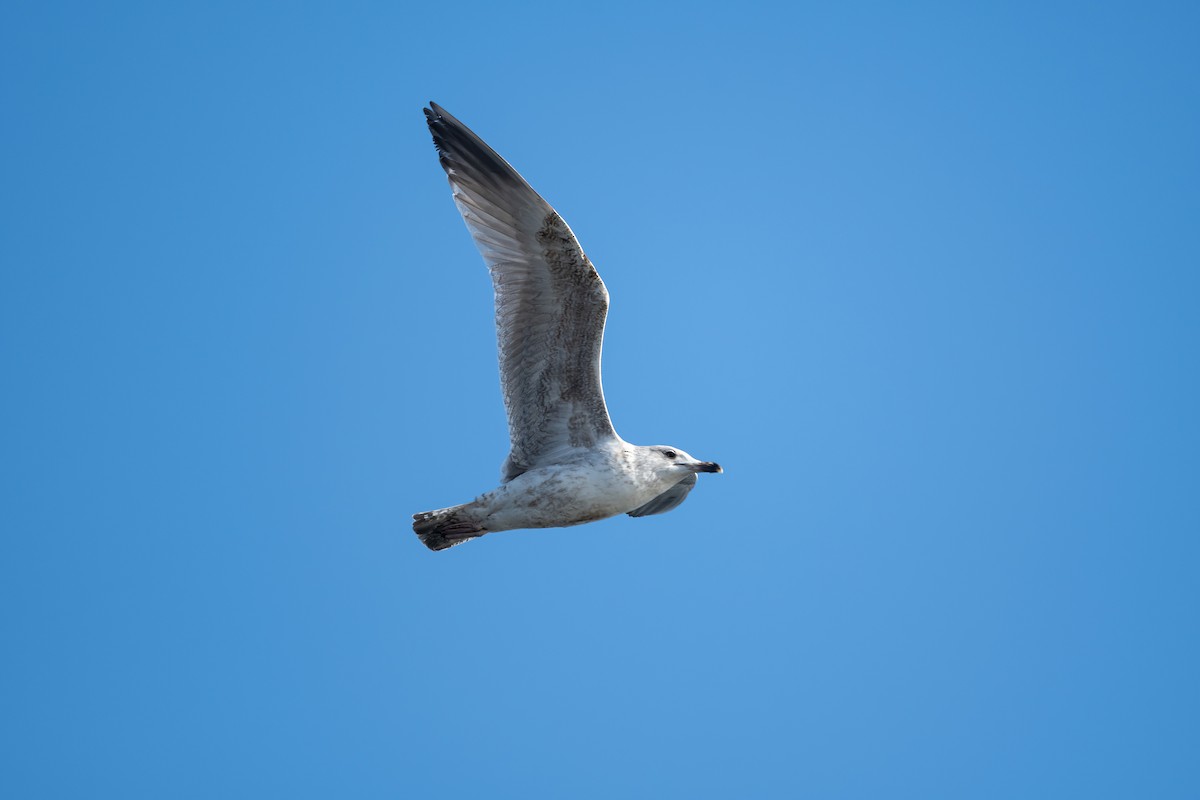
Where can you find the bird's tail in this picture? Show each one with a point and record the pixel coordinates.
(446, 527)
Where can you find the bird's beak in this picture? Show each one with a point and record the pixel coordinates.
(707, 466)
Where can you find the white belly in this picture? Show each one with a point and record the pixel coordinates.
(562, 495)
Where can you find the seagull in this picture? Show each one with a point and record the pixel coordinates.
(567, 465)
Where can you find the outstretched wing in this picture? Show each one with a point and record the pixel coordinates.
(668, 499)
(550, 302)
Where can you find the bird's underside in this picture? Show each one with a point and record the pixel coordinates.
(567, 465)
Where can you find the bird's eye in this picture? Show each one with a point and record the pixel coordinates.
(669, 453)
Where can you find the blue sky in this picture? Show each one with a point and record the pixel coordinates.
(922, 277)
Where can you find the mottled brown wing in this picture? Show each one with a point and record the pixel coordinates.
(550, 302)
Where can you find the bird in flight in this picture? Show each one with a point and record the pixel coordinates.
(567, 464)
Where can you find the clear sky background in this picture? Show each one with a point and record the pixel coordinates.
(922, 277)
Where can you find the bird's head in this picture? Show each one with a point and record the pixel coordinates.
(672, 460)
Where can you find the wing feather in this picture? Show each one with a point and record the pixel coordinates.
(667, 500)
(550, 302)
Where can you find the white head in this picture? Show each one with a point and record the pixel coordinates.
(671, 462)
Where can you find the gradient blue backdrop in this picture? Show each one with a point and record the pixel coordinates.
(923, 277)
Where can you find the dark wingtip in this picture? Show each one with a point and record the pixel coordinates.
(462, 152)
